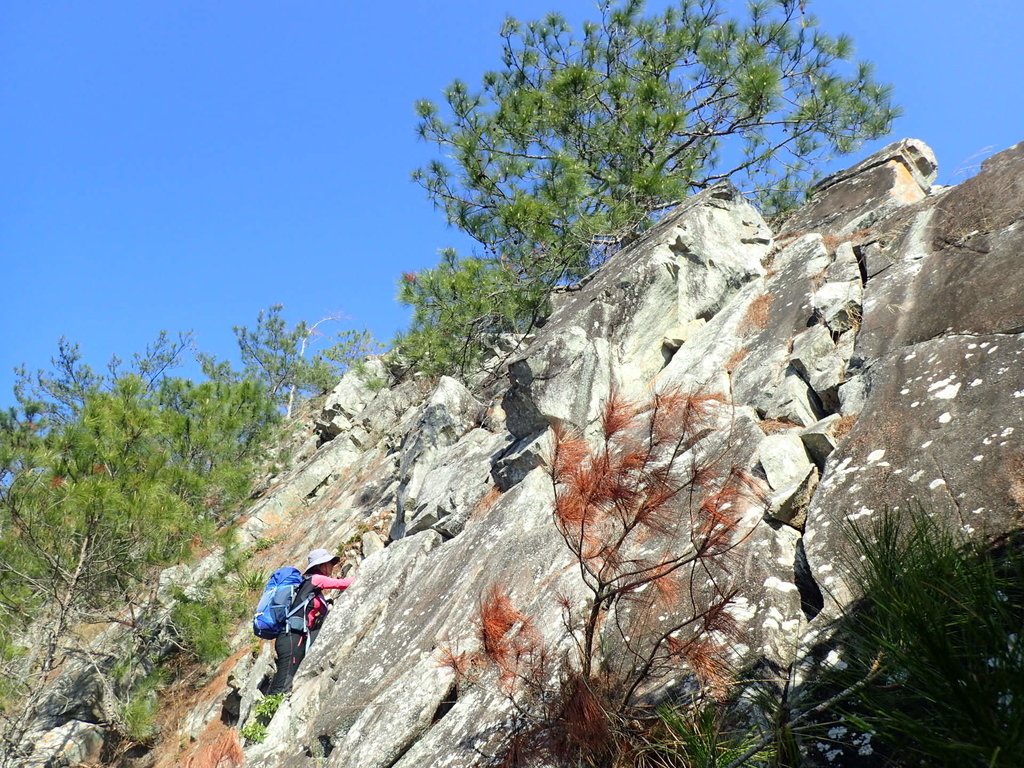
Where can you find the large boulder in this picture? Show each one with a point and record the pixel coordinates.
(940, 431)
(357, 388)
(459, 478)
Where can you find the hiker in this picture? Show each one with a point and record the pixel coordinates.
(291, 646)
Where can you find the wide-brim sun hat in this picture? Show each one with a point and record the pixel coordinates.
(318, 557)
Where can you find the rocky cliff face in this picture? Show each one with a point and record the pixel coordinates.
(869, 354)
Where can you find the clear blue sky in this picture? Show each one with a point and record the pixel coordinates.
(181, 165)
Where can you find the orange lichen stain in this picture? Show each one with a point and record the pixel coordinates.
(905, 188)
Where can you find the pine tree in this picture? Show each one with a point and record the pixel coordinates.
(279, 356)
(577, 143)
(103, 479)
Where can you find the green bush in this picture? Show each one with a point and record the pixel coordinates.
(262, 544)
(202, 624)
(254, 732)
(138, 712)
(702, 737)
(945, 617)
(267, 707)
(139, 716)
(251, 580)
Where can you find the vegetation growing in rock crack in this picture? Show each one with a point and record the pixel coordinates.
(650, 516)
(943, 617)
(578, 142)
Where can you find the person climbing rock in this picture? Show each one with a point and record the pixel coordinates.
(292, 645)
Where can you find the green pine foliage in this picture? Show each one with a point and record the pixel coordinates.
(578, 142)
(214, 430)
(283, 361)
(103, 479)
(139, 711)
(701, 737)
(929, 660)
(458, 306)
(943, 618)
(202, 623)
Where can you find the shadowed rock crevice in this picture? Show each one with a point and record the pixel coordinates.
(860, 252)
(321, 748)
(811, 599)
(449, 700)
(231, 708)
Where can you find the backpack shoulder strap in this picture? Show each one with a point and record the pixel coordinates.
(302, 594)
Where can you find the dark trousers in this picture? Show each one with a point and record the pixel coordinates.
(291, 648)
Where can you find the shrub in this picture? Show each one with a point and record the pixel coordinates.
(202, 623)
(254, 732)
(946, 618)
(700, 737)
(139, 717)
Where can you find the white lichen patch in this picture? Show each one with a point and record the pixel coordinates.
(835, 660)
(916, 476)
(876, 455)
(979, 457)
(863, 744)
(862, 512)
(945, 418)
(926, 443)
(1006, 432)
(773, 582)
(942, 383)
(947, 393)
(936, 483)
(977, 382)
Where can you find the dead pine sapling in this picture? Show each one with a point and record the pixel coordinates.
(650, 511)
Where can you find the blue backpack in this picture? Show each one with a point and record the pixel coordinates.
(275, 608)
